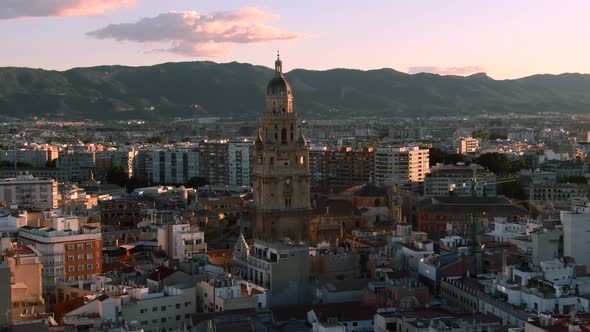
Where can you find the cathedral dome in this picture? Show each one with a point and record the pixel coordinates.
(278, 85)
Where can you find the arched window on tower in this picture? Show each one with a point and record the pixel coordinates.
(284, 136)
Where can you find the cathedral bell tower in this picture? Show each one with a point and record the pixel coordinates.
(281, 170)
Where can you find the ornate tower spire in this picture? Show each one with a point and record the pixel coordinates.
(278, 65)
(281, 172)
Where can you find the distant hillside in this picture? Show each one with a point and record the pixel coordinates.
(194, 89)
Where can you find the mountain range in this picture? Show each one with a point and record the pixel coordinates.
(236, 90)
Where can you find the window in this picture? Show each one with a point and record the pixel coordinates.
(70, 269)
(187, 316)
(144, 322)
(154, 309)
(163, 320)
(142, 311)
(89, 245)
(80, 246)
(154, 321)
(80, 257)
(88, 256)
(163, 308)
(70, 258)
(178, 317)
(70, 247)
(188, 304)
(89, 267)
(177, 305)
(80, 267)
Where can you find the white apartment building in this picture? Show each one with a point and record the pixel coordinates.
(576, 227)
(282, 267)
(226, 292)
(181, 241)
(69, 253)
(174, 166)
(240, 166)
(29, 192)
(466, 145)
(164, 303)
(449, 180)
(402, 166)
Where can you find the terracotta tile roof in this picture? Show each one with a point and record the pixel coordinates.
(161, 273)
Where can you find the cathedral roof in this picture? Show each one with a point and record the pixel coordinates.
(278, 85)
(241, 247)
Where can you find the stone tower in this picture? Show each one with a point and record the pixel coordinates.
(281, 168)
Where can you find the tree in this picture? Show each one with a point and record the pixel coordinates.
(455, 158)
(118, 176)
(196, 182)
(512, 189)
(135, 182)
(481, 133)
(436, 156)
(440, 156)
(156, 139)
(497, 163)
(517, 165)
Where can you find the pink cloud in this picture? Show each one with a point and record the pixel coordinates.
(10, 9)
(191, 33)
(461, 71)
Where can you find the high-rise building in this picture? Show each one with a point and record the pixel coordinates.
(174, 166)
(78, 165)
(214, 161)
(317, 166)
(576, 226)
(29, 192)
(103, 163)
(124, 158)
(348, 167)
(36, 157)
(240, 163)
(281, 173)
(401, 166)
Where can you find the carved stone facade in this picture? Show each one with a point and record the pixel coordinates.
(281, 168)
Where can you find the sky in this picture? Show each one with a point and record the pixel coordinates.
(504, 38)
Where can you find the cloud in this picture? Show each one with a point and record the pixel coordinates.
(461, 71)
(191, 33)
(10, 9)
